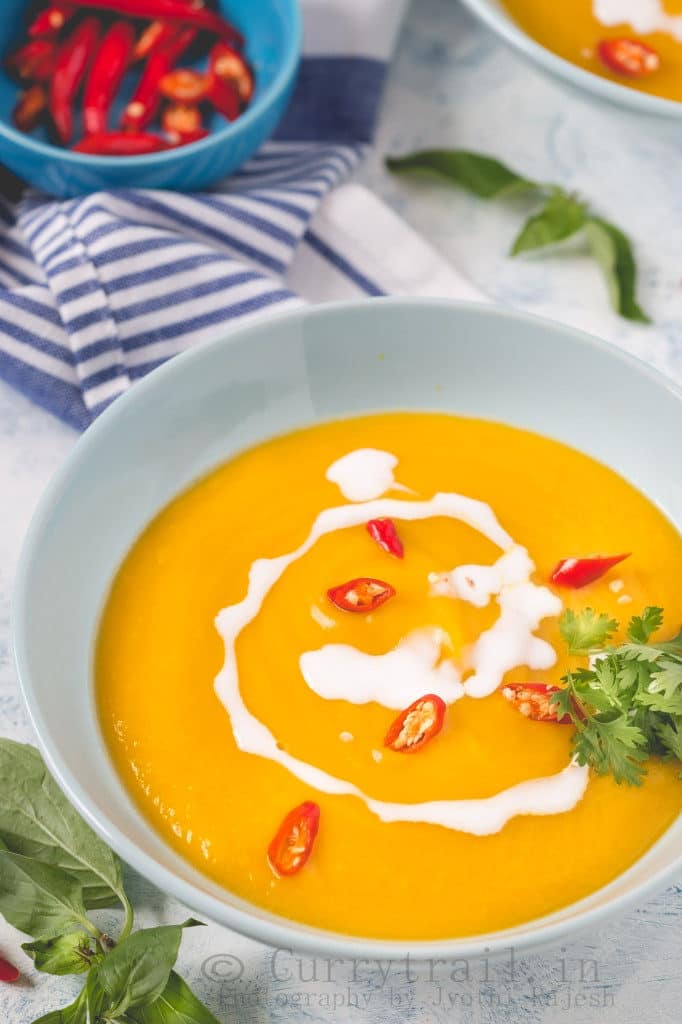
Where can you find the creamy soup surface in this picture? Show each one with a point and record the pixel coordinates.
(226, 702)
(573, 29)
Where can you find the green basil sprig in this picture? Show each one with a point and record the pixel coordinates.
(53, 870)
(561, 215)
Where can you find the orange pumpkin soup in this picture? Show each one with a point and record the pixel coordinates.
(302, 668)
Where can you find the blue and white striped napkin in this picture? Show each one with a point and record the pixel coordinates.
(97, 291)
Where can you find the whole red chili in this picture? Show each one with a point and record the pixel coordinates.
(73, 60)
(361, 595)
(30, 108)
(146, 99)
(121, 144)
(27, 61)
(106, 75)
(169, 10)
(224, 97)
(383, 531)
(8, 972)
(229, 64)
(578, 572)
(293, 843)
(416, 725)
(156, 35)
(533, 701)
(51, 20)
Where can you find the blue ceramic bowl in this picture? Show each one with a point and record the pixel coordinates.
(265, 378)
(272, 29)
(494, 15)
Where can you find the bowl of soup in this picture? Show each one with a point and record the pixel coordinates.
(626, 51)
(288, 624)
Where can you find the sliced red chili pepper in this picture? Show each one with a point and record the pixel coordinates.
(383, 531)
(121, 144)
(187, 137)
(8, 972)
(73, 60)
(578, 572)
(51, 20)
(293, 843)
(416, 725)
(224, 97)
(629, 57)
(180, 120)
(185, 85)
(533, 701)
(110, 65)
(30, 108)
(28, 59)
(170, 10)
(361, 595)
(228, 64)
(146, 99)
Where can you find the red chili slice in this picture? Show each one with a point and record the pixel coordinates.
(629, 57)
(290, 849)
(533, 701)
(8, 972)
(30, 108)
(383, 531)
(228, 64)
(181, 120)
(578, 572)
(224, 97)
(184, 85)
(416, 725)
(29, 60)
(51, 20)
(361, 595)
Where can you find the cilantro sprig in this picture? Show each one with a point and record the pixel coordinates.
(627, 704)
(54, 871)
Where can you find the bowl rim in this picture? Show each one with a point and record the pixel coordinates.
(230, 130)
(504, 26)
(275, 930)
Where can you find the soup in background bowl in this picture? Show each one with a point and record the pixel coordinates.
(134, 607)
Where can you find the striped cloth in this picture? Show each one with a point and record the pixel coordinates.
(97, 291)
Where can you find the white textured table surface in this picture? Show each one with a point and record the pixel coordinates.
(451, 84)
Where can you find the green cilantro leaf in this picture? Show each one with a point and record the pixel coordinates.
(586, 631)
(641, 627)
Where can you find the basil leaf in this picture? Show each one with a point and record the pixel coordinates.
(137, 970)
(177, 1004)
(38, 899)
(612, 250)
(65, 954)
(76, 1013)
(560, 217)
(37, 820)
(483, 175)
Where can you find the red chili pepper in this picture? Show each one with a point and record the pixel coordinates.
(169, 10)
(146, 99)
(224, 97)
(187, 138)
(182, 122)
(121, 144)
(533, 701)
(109, 67)
(30, 108)
(383, 531)
(416, 725)
(51, 20)
(629, 57)
(578, 572)
(28, 59)
(8, 972)
(361, 595)
(293, 843)
(156, 35)
(185, 85)
(73, 60)
(228, 64)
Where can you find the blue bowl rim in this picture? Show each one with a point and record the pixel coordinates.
(503, 25)
(270, 95)
(276, 930)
